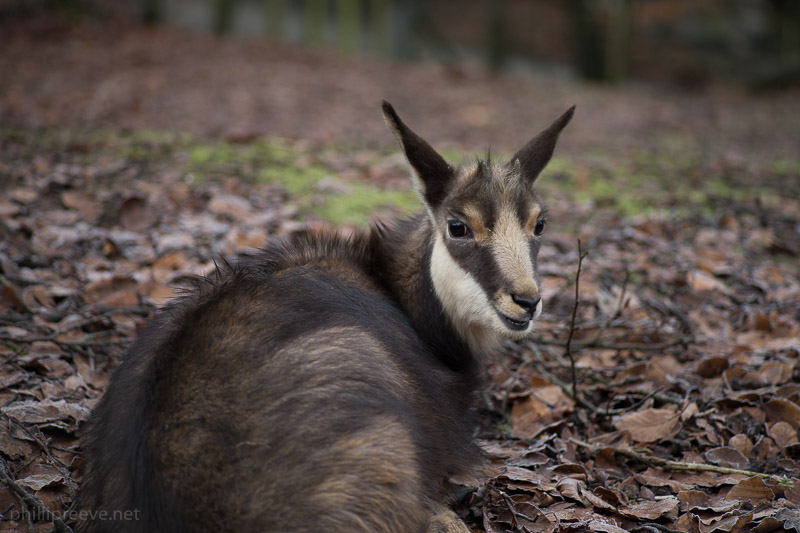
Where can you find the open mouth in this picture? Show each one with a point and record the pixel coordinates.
(516, 325)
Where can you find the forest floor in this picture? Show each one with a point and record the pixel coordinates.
(661, 391)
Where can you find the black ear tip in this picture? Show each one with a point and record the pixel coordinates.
(388, 110)
(564, 119)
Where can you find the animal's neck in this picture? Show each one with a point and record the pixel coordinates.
(403, 254)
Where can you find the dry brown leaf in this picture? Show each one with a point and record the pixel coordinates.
(523, 475)
(37, 482)
(780, 410)
(573, 470)
(112, 291)
(529, 416)
(240, 239)
(156, 293)
(8, 380)
(661, 369)
(10, 297)
(37, 298)
(229, 205)
(74, 382)
(776, 372)
(83, 202)
(96, 377)
(649, 425)
(33, 412)
(136, 215)
(742, 443)
(732, 522)
(572, 489)
(783, 433)
(598, 502)
(792, 495)
(726, 456)
(494, 449)
(761, 341)
(689, 411)
(752, 489)
(702, 281)
(554, 397)
(707, 479)
(569, 512)
(12, 447)
(658, 478)
(8, 208)
(612, 496)
(767, 525)
(531, 459)
(713, 366)
(602, 525)
(790, 391)
(691, 498)
(651, 510)
(715, 508)
(764, 449)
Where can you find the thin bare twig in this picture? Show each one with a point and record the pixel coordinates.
(512, 509)
(90, 339)
(669, 464)
(568, 347)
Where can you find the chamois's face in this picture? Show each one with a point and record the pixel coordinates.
(487, 224)
(487, 232)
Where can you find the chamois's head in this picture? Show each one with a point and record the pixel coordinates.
(487, 222)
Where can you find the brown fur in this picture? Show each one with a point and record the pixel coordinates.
(318, 386)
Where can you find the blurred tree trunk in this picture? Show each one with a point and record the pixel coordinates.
(315, 18)
(348, 22)
(405, 20)
(602, 37)
(380, 27)
(151, 13)
(787, 15)
(223, 16)
(497, 48)
(783, 68)
(276, 18)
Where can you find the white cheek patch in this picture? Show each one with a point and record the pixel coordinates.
(460, 294)
(463, 299)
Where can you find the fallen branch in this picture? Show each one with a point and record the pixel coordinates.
(88, 340)
(669, 464)
(640, 346)
(31, 500)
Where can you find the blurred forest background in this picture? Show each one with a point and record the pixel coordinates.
(753, 42)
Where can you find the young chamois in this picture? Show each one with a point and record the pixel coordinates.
(326, 384)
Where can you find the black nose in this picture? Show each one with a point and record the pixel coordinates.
(528, 304)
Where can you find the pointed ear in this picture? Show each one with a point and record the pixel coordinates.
(431, 171)
(537, 153)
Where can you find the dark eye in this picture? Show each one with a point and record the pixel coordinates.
(539, 226)
(458, 230)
